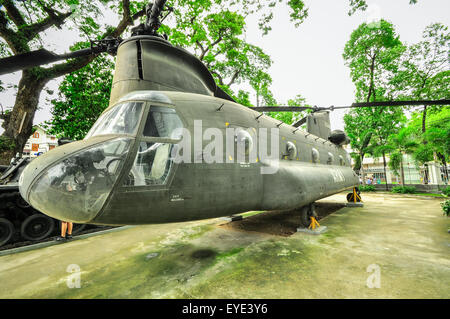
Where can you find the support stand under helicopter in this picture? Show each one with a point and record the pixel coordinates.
(308, 218)
(354, 198)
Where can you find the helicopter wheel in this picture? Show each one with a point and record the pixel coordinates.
(6, 231)
(350, 198)
(78, 228)
(307, 212)
(37, 227)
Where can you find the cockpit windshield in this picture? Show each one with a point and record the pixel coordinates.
(121, 119)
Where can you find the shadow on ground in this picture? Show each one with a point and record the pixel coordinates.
(280, 223)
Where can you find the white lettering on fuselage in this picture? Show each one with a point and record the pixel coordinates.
(337, 175)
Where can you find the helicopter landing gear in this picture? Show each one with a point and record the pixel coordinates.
(354, 198)
(308, 219)
(308, 213)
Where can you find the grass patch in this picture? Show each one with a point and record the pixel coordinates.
(229, 253)
(430, 194)
(367, 188)
(198, 232)
(247, 214)
(403, 189)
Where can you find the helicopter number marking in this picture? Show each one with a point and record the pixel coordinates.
(176, 198)
(337, 175)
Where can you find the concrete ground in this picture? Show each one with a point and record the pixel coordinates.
(397, 245)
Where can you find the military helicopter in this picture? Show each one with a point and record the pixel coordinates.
(126, 172)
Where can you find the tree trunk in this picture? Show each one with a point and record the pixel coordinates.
(384, 167)
(424, 118)
(444, 163)
(425, 174)
(362, 151)
(18, 127)
(361, 169)
(402, 172)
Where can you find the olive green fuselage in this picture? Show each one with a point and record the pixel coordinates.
(202, 190)
(117, 175)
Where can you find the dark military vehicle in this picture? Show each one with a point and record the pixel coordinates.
(19, 221)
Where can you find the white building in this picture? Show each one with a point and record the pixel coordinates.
(39, 143)
(433, 171)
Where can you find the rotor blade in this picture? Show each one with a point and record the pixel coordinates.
(27, 60)
(35, 58)
(395, 103)
(153, 18)
(300, 122)
(281, 108)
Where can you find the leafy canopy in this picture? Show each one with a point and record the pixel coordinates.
(83, 96)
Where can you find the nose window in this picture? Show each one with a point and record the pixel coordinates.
(162, 122)
(81, 183)
(151, 165)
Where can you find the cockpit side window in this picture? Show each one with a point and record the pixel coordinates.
(121, 119)
(162, 122)
(151, 165)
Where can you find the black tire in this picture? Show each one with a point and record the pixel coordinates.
(6, 231)
(37, 227)
(307, 212)
(78, 228)
(350, 197)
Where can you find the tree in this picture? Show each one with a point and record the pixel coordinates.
(372, 53)
(23, 24)
(399, 144)
(217, 37)
(437, 135)
(389, 122)
(83, 96)
(424, 72)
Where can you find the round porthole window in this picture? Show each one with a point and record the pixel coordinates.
(244, 142)
(291, 150)
(315, 155)
(330, 159)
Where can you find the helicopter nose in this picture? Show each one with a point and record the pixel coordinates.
(75, 188)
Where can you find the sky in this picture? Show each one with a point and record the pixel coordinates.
(307, 60)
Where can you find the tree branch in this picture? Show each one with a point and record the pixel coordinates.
(218, 76)
(201, 48)
(14, 13)
(209, 48)
(235, 75)
(32, 30)
(78, 63)
(127, 19)
(14, 40)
